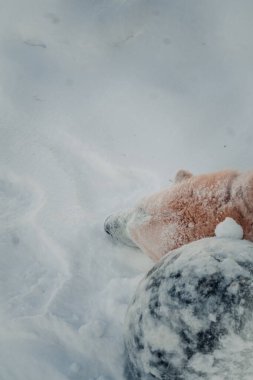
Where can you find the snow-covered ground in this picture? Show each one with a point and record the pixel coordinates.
(102, 101)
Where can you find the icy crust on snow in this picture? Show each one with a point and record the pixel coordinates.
(229, 229)
(191, 316)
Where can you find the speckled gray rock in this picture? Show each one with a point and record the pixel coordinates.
(192, 315)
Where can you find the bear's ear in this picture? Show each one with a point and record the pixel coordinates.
(182, 175)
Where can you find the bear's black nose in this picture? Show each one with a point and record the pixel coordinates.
(107, 226)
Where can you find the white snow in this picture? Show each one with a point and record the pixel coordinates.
(101, 103)
(229, 229)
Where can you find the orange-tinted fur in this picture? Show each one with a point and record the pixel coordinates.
(191, 209)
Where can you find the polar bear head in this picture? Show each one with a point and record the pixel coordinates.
(188, 210)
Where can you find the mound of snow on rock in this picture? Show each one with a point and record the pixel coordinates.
(229, 229)
(191, 316)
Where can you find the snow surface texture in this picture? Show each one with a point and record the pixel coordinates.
(229, 229)
(101, 103)
(192, 315)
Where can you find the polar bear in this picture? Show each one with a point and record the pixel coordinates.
(188, 210)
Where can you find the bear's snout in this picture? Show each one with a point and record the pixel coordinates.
(107, 225)
(114, 224)
(116, 227)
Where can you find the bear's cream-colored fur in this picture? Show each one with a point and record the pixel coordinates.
(191, 209)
